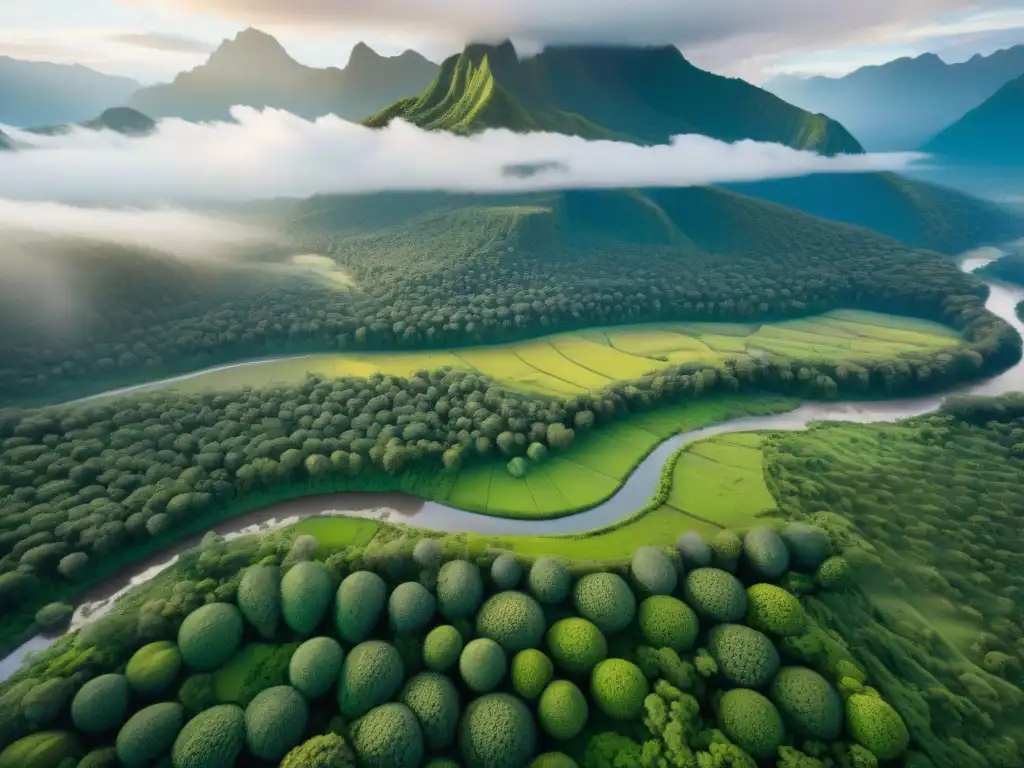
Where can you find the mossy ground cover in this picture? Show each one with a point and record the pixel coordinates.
(589, 360)
(228, 680)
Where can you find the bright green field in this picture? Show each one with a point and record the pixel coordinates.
(717, 483)
(597, 464)
(571, 363)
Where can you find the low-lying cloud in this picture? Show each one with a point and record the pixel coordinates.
(271, 154)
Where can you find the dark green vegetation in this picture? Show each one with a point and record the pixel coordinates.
(254, 70)
(5, 141)
(124, 120)
(989, 134)
(707, 694)
(929, 513)
(86, 489)
(435, 271)
(645, 95)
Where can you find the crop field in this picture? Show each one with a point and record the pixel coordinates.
(572, 363)
(597, 465)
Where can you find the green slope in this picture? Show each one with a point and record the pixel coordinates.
(646, 95)
(992, 133)
(124, 120)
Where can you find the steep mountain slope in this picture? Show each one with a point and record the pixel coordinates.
(124, 120)
(254, 70)
(40, 93)
(644, 94)
(902, 104)
(991, 134)
(5, 141)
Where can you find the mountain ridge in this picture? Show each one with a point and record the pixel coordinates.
(929, 92)
(642, 94)
(990, 134)
(254, 69)
(43, 92)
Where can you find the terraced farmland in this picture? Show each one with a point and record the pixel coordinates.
(571, 363)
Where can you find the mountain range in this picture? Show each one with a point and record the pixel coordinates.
(903, 103)
(645, 95)
(255, 70)
(42, 93)
(990, 134)
(124, 120)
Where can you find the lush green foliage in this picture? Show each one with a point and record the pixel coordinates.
(666, 622)
(483, 664)
(328, 751)
(514, 620)
(752, 721)
(562, 710)
(210, 635)
(716, 595)
(619, 688)
(549, 580)
(410, 607)
(744, 656)
(371, 674)
(531, 672)
(149, 734)
(773, 610)
(435, 702)
(808, 545)
(427, 553)
(460, 589)
(358, 605)
(606, 600)
(809, 704)
(275, 721)
(101, 705)
(554, 760)
(306, 592)
(153, 668)
(497, 731)
(765, 553)
(315, 666)
(876, 726)
(46, 749)
(388, 736)
(442, 648)
(259, 598)
(576, 645)
(694, 550)
(653, 572)
(212, 739)
(506, 572)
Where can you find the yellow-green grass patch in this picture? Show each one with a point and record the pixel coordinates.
(545, 493)
(646, 341)
(510, 496)
(502, 364)
(604, 453)
(607, 361)
(659, 528)
(896, 322)
(471, 488)
(545, 358)
(740, 456)
(580, 486)
(333, 533)
(721, 494)
(724, 343)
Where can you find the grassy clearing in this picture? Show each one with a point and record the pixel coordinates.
(571, 363)
(228, 680)
(339, 532)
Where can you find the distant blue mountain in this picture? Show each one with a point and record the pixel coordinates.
(991, 134)
(42, 93)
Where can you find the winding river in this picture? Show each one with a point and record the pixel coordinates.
(634, 493)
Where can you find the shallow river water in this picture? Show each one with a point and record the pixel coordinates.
(634, 494)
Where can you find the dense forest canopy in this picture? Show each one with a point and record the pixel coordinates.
(436, 271)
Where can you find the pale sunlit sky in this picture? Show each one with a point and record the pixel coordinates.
(151, 40)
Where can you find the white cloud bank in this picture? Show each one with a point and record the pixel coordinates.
(271, 154)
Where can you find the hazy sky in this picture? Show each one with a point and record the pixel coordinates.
(153, 39)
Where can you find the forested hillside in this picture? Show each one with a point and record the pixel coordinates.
(930, 511)
(989, 134)
(442, 271)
